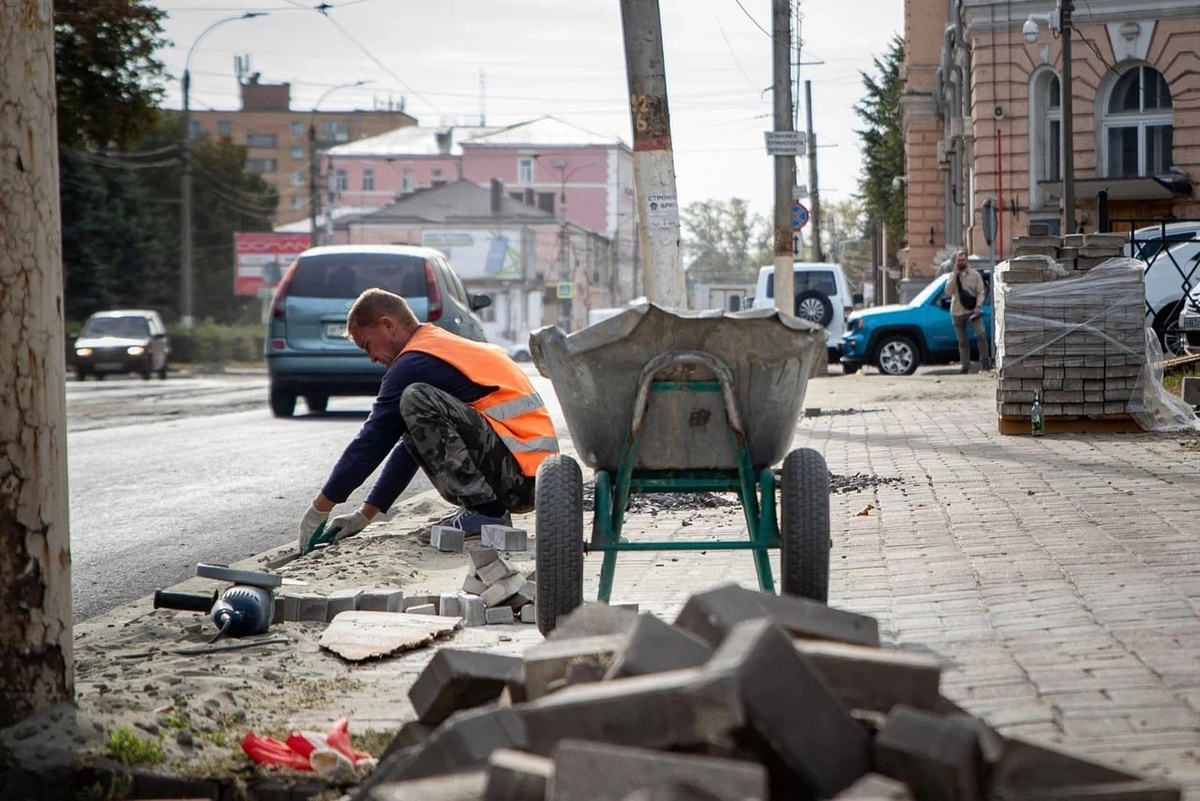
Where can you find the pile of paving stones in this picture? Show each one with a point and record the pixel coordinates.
(746, 695)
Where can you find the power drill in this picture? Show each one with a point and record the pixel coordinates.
(244, 609)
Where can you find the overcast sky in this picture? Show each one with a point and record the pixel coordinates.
(559, 57)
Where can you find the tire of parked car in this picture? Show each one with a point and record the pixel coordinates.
(316, 403)
(283, 403)
(897, 355)
(815, 307)
(1166, 326)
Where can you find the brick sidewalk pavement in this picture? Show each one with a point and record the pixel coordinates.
(1056, 578)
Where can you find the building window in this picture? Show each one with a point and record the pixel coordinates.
(342, 182)
(297, 153)
(1045, 126)
(545, 202)
(435, 175)
(297, 128)
(406, 185)
(261, 165)
(224, 127)
(297, 202)
(368, 183)
(1138, 124)
(261, 140)
(525, 170)
(194, 129)
(298, 178)
(336, 130)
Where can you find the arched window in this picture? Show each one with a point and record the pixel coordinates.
(1138, 124)
(1045, 129)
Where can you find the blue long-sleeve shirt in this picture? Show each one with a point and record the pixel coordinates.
(380, 436)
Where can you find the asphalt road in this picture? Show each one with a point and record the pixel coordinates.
(167, 474)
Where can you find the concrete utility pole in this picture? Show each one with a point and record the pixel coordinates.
(653, 158)
(36, 658)
(785, 165)
(814, 188)
(1068, 120)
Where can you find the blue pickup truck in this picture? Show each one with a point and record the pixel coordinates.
(899, 338)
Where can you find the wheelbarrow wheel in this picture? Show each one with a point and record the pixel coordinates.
(558, 520)
(804, 525)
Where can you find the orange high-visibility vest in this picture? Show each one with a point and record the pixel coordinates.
(514, 409)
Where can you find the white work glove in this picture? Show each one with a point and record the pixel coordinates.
(309, 524)
(347, 525)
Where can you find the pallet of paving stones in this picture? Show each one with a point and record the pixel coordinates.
(1015, 425)
(746, 695)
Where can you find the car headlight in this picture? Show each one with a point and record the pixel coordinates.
(84, 352)
(135, 350)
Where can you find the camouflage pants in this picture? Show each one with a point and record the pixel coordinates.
(465, 460)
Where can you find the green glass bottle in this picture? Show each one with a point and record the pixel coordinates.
(1035, 415)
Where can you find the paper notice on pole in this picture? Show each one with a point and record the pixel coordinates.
(662, 211)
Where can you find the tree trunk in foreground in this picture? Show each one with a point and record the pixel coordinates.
(35, 558)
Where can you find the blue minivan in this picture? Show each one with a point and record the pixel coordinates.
(899, 338)
(307, 352)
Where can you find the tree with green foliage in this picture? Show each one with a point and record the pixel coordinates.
(724, 240)
(883, 142)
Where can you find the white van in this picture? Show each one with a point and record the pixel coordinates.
(822, 297)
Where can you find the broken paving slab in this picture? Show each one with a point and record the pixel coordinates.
(517, 776)
(356, 636)
(875, 679)
(457, 679)
(938, 757)
(655, 646)
(547, 661)
(593, 619)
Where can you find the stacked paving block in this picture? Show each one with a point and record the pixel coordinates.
(744, 696)
(1070, 324)
(507, 594)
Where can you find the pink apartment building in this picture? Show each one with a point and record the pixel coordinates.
(983, 109)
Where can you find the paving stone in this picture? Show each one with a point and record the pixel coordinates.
(671, 792)
(502, 590)
(1032, 770)
(875, 678)
(464, 741)
(604, 772)
(547, 662)
(417, 600)
(446, 538)
(522, 597)
(873, 787)
(710, 615)
(311, 608)
(779, 686)
(504, 538)
(679, 709)
(499, 615)
(381, 600)
(448, 605)
(473, 585)
(412, 733)
(474, 613)
(277, 610)
(340, 601)
(458, 679)
(422, 609)
(528, 613)
(593, 619)
(655, 646)
(496, 571)
(465, 786)
(517, 776)
(938, 757)
(481, 556)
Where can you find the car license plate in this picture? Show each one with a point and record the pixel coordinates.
(1190, 322)
(335, 330)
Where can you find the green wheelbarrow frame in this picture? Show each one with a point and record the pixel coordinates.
(755, 488)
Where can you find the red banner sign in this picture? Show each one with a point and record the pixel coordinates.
(261, 259)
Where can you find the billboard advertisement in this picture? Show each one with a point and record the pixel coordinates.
(260, 260)
(480, 253)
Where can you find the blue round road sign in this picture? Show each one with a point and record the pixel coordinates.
(799, 215)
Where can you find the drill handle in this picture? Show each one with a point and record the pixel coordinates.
(185, 601)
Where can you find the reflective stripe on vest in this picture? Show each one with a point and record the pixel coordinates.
(515, 407)
(548, 444)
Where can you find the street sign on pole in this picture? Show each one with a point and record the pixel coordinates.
(799, 192)
(785, 143)
(799, 215)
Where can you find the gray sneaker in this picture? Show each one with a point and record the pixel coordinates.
(469, 521)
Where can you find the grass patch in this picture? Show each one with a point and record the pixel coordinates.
(372, 741)
(129, 749)
(1173, 381)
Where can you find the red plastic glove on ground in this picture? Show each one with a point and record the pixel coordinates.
(326, 754)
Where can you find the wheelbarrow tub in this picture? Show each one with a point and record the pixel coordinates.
(596, 372)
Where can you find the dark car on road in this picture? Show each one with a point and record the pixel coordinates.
(122, 341)
(308, 354)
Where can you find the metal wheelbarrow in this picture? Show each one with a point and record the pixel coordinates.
(664, 401)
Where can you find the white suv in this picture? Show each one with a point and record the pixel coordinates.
(822, 297)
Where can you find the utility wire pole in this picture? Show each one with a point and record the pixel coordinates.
(653, 158)
(1068, 120)
(814, 188)
(785, 165)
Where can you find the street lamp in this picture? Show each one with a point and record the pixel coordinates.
(185, 179)
(314, 197)
(1060, 20)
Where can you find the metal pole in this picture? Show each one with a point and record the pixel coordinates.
(185, 211)
(785, 165)
(814, 189)
(314, 194)
(653, 158)
(1068, 122)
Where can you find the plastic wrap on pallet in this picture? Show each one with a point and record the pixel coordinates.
(1081, 339)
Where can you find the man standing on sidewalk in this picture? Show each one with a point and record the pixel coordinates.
(967, 291)
(460, 410)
